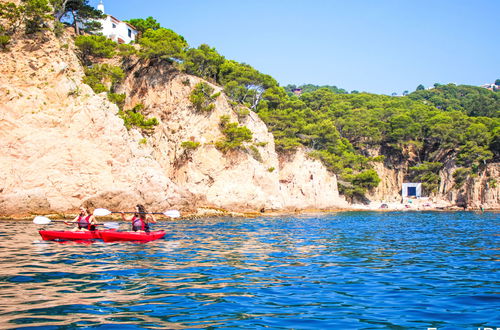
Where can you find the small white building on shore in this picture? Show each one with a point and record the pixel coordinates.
(116, 30)
(411, 190)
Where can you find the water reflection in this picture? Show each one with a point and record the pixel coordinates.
(352, 270)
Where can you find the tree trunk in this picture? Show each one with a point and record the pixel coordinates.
(75, 23)
(60, 12)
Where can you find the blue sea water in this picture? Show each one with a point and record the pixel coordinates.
(348, 270)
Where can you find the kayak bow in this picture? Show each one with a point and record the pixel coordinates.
(69, 235)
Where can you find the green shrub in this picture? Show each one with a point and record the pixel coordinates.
(134, 118)
(118, 99)
(126, 50)
(59, 29)
(234, 135)
(460, 175)
(190, 145)
(93, 46)
(4, 41)
(359, 184)
(271, 169)
(254, 152)
(100, 76)
(242, 113)
(428, 174)
(202, 98)
(11, 16)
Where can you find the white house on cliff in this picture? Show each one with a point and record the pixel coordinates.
(116, 30)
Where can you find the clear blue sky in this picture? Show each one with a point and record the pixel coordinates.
(378, 46)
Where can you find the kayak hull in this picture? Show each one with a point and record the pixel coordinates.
(68, 235)
(131, 236)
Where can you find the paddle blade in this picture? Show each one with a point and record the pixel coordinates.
(172, 213)
(101, 212)
(111, 225)
(39, 220)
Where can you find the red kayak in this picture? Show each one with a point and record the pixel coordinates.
(69, 235)
(132, 236)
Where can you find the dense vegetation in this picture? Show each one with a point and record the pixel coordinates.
(308, 88)
(422, 130)
(473, 101)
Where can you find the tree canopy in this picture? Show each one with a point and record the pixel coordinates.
(80, 13)
(142, 25)
(308, 88)
(92, 46)
(204, 62)
(471, 100)
(33, 15)
(163, 44)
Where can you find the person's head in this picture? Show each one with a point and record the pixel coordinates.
(84, 211)
(140, 210)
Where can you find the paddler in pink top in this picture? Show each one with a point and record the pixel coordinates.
(85, 220)
(140, 220)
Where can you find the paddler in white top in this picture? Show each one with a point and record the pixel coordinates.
(85, 220)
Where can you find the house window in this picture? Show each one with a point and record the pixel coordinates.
(129, 33)
(114, 26)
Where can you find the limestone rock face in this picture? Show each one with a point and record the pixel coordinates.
(482, 191)
(246, 179)
(61, 145)
(306, 182)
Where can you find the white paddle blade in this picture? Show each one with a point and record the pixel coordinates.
(111, 225)
(101, 212)
(172, 213)
(39, 220)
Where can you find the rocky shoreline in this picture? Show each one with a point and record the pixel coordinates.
(219, 213)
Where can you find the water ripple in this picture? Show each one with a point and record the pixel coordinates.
(347, 270)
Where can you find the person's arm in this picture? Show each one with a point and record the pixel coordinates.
(151, 218)
(75, 220)
(92, 220)
(124, 218)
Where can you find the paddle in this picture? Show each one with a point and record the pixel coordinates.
(169, 213)
(39, 220)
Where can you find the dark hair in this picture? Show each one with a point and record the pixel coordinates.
(142, 211)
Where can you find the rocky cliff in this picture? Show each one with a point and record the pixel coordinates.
(61, 145)
(248, 179)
